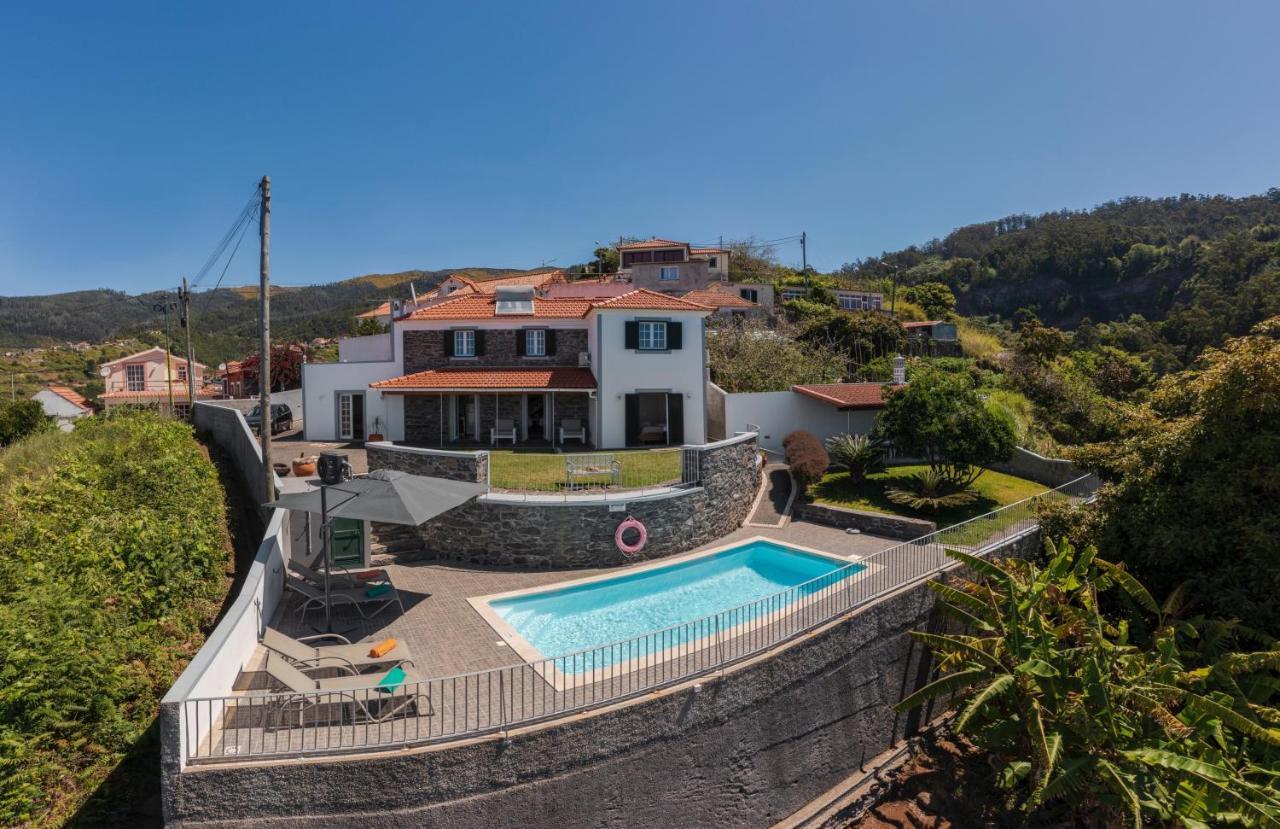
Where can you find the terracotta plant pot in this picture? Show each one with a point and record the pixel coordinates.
(303, 467)
(374, 437)
(282, 469)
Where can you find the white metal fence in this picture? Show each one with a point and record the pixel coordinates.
(306, 723)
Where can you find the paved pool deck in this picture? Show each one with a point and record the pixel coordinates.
(445, 634)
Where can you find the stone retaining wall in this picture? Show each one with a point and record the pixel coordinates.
(578, 532)
(745, 748)
(472, 467)
(876, 523)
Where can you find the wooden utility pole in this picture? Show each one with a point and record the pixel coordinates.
(184, 294)
(804, 257)
(264, 359)
(168, 352)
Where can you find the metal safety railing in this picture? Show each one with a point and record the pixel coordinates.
(307, 723)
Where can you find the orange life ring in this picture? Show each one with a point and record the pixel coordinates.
(631, 549)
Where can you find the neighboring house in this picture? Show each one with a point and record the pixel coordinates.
(727, 301)
(231, 376)
(848, 300)
(626, 363)
(761, 293)
(717, 262)
(382, 313)
(671, 267)
(63, 403)
(145, 378)
(934, 337)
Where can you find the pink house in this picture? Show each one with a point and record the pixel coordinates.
(144, 379)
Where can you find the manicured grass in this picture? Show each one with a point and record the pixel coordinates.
(995, 490)
(547, 472)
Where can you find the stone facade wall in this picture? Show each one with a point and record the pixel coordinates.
(472, 467)
(746, 748)
(425, 349)
(496, 531)
(876, 523)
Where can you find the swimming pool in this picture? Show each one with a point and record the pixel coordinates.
(577, 616)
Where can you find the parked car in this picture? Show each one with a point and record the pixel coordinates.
(281, 418)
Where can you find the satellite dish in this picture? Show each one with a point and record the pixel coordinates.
(105, 371)
(222, 366)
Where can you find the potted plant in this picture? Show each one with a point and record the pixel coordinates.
(376, 434)
(304, 467)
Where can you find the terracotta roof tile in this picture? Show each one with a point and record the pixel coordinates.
(179, 394)
(70, 395)
(492, 379)
(652, 243)
(381, 311)
(643, 299)
(718, 297)
(846, 395)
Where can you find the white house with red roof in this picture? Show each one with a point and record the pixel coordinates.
(64, 403)
(622, 365)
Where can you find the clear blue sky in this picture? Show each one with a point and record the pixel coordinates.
(403, 135)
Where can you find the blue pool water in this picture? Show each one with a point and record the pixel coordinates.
(576, 618)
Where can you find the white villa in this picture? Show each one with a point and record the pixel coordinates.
(609, 363)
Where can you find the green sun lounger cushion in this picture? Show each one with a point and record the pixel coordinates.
(377, 590)
(392, 681)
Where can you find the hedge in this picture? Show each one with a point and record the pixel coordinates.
(114, 559)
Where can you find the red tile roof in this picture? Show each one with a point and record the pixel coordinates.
(70, 395)
(846, 395)
(538, 280)
(482, 306)
(179, 394)
(642, 299)
(381, 311)
(718, 297)
(493, 379)
(920, 324)
(652, 243)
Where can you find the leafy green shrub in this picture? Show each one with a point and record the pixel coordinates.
(861, 455)
(19, 418)
(1148, 719)
(930, 491)
(806, 457)
(115, 551)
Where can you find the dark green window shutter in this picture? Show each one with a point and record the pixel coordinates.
(632, 338)
(448, 343)
(675, 418)
(522, 342)
(479, 342)
(551, 342)
(632, 408)
(675, 335)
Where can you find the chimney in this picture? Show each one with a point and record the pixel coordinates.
(899, 370)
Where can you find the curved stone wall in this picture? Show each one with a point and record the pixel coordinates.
(578, 532)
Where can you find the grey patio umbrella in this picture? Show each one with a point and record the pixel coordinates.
(384, 495)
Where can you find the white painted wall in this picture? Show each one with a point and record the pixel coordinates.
(55, 405)
(371, 349)
(778, 413)
(620, 371)
(321, 382)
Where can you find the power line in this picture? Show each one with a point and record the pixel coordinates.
(232, 257)
(250, 207)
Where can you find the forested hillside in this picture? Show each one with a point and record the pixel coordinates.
(225, 320)
(1204, 267)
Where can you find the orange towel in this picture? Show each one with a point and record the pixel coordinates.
(368, 575)
(382, 648)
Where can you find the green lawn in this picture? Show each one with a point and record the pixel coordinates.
(546, 472)
(995, 490)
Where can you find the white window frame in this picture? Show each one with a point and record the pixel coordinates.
(654, 332)
(536, 336)
(674, 270)
(789, 294)
(182, 373)
(876, 301)
(135, 384)
(346, 415)
(464, 342)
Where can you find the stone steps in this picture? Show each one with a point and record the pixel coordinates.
(393, 542)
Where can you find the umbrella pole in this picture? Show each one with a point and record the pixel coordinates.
(328, 558)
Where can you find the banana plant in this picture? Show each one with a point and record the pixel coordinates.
(1093, 698)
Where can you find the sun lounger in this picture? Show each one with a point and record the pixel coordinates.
(365, 697)
(340, 576)
(343, 656)
(367, 601)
